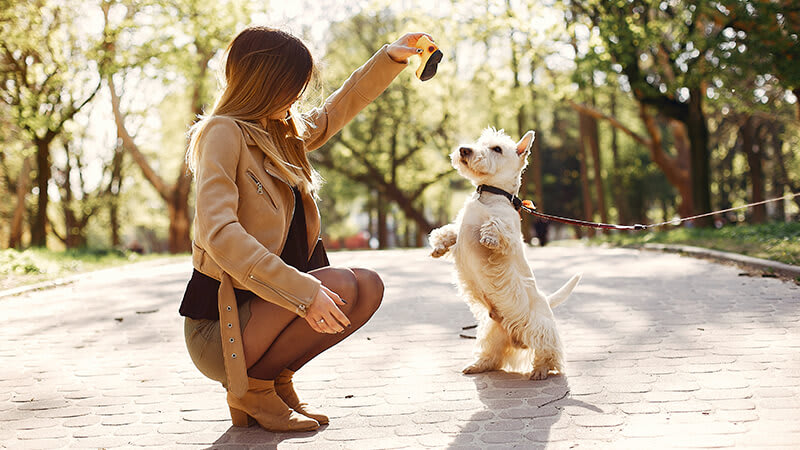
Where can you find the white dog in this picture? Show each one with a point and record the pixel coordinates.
(516, 327)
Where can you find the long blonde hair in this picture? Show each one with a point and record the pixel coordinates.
(265, 70)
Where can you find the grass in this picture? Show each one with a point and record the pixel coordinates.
(35, 265)
(775, 241)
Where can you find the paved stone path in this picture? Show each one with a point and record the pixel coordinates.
(663, 351)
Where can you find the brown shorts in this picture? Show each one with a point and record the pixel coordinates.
(204, 342)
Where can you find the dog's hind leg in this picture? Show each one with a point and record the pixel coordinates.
(548, 357)
(442, 239)
(543, 363)
(493, 344)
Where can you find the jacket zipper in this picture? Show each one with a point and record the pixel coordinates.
(258, 183)
(291, 299)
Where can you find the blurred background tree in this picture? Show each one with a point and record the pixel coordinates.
(644, 110)
(44, 84)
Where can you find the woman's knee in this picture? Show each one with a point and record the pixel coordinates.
(370, 285)
(342, 281)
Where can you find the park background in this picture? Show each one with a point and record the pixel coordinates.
(644, 111)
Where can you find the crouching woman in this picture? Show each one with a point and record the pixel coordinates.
(262, 300)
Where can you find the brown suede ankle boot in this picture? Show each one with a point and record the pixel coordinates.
(285, 390)
(263, 404)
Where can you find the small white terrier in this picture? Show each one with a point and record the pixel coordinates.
(516, 327)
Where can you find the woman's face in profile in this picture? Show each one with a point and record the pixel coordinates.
(282, 113)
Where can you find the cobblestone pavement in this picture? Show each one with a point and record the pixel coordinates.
(663, 351)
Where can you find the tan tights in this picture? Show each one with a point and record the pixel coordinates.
(275, 339)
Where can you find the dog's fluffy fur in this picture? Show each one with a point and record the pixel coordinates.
(516, 327)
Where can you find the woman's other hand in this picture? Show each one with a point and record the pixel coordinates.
(404, 47)
(323, 315)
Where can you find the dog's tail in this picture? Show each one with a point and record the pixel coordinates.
(558, 297)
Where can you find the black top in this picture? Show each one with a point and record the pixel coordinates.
(295, 250)
(200, 297)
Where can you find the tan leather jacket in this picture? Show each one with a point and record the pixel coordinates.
(244, 209)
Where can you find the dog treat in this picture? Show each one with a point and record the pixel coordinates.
(429, 58)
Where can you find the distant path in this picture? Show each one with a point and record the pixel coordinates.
(662, 350)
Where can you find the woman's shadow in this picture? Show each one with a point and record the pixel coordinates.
(517, 410)
(257, 437)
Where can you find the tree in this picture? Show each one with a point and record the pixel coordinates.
(762, 37)
(391, 145)
(674, 167)
(661, 49)
(207, 27)
(79, 198)
(44, 82)
(15, 166)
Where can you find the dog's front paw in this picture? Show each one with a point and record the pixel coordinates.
(489, 241)
(439, 251)
(479, 366)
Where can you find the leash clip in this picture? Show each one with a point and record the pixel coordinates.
(528, 206)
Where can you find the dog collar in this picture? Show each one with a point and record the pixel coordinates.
(516, 202)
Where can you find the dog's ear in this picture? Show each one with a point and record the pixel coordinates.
(524, 144)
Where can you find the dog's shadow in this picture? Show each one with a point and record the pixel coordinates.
(517, 409)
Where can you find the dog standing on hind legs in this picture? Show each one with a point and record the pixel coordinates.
(516, 326)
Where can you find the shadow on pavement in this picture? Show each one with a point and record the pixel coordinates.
(516, 405)
(255, 436)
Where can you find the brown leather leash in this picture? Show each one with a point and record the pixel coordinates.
(530, 208)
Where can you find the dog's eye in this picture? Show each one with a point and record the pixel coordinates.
(497, 149)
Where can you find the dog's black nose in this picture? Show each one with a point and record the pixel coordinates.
(465, 151)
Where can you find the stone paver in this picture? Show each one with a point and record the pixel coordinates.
(663, 351)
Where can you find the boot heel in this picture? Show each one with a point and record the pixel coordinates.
(240, 418)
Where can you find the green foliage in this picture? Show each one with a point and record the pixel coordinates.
(775, 241)
(35, 265)
(508, 64)
(45, 71)
(397, 145)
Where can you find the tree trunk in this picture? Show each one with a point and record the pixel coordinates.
(796, 92)
(371, 213)
(778, 184)
(113, 190)
(726, 185)
(538, 187)
(527, 222)
(421, 236)
(594, 145)
(781, 162)
(408, 234)
(71, 230)
(39, 228)
(179, 227)
(588, 208)
(23, 180)
(113, 222)
(753, 152)
(616, 187)
(406, 204)
(176, 196)
(700, 168)
(383, 229)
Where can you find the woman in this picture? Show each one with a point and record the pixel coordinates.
(260, 303)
